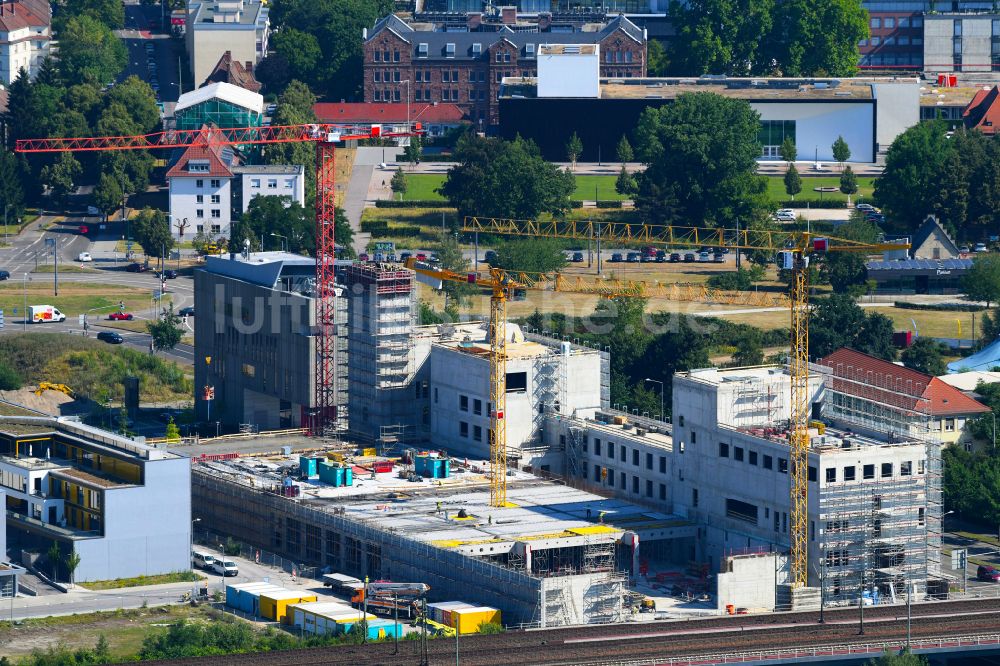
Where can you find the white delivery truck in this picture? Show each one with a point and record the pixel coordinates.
(38, 314)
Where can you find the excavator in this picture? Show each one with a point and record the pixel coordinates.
(49, 386)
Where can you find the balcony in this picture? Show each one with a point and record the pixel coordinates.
(19, 520)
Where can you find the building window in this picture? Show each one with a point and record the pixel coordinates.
(611, 450)
(395, 95)
(621, 479)
(635, 484)
(215, 199)
(783, 465)
(200, 213)
(449, 50)
(768, 462)
(812, 474)
(723, 450)
(624, 452)
(694, 497)
(869, 472)
(635, 457)
(463, 429)
(753, 457)
(741, 510)
(477, 406)
(216, 213)
(906, 468)
(886, 470)
(422, 50)
(663, 491)
(876, 41)
(890, 22)
(849, 473)
(378, 56)
(949, 425)
(663, 464)
(255, 183)
(378, 75)
(199, 199)
(831, 474)
(597, 447)
(738, 453)
(876, 22)
(463, 403)
(395, 56)
(649, 488)
(477, 433)
(649, 461)
(773, 133)
(216, 228)
(199, 183)
(272, 183)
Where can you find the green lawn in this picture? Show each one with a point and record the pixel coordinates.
(140, 581)
(421, 187)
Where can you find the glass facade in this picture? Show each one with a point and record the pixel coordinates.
(773, 133)
(219, 113)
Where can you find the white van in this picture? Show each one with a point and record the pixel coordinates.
(225, 567)
(202, 559)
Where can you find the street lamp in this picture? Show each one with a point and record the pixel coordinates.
(191, 536)
(657, 381)
(5, 209)
(24, 289)
(284, 238)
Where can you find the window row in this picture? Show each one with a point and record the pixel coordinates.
(893, 40)
(625, 482)
(272, 183)
(463, 431)
(609, 450)
(384, 55)
(477, 405)
(891, 22)
(200, 213)
(617, 56)
(214, 182)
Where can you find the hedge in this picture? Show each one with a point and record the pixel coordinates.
(609, 204)
(833, 203)
(430, 203)
(381, 229)
(940, 307)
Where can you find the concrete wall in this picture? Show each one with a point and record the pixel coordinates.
(147, 528)
(183, 197)
(818, 124)
(938, 45)
(749, 581)
(569, 75)
(977, 35)
(897, 109)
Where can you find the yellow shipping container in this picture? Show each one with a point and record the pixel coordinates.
(468, 620)
(274, 605)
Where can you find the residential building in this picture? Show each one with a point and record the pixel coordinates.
(869, 113)
(221, 104)
(897, 36)
(467, 68)
(435, 119)
(932, 241)
(25, 35)
(868, 394)
(983, 112)
(918, 276)
(255, 340)
(209, 188)
(215, 27)
(233, 72)
(874, 504)
(962, 41)
(124, 507)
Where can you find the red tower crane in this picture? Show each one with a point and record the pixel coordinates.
(325, 136)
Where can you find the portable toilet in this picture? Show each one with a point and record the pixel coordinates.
(468, 620)
(274, 605)
(307, 466)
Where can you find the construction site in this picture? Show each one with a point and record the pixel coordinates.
(554, 556)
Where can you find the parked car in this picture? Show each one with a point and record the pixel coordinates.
(718, 257)
(186, 312)
(964, 249)
(988, 573)
(866, 207)
(406, 255)
(577, 257)
(84, 256)
(649, 251)
(689, 257)
(784, 216)
(661, 256)
(704, 256)
(225, 567)
(675, 257)
(121, 316)
(616, 257)
(633, 257)
(647, 258)
(202, 559)
(420, 256)
(110, 337)
(169, 274)
(4, 275)
(137, 268)
(84, 229)
(980, 247)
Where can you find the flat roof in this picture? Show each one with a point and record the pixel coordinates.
(658, 439)
(203, 14)
(470, 338)
(726, 375)
(931, 95)
(427, 511)
(88, 478)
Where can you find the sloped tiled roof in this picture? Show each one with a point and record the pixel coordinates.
(870, 378)
(233, 72)
(983, 112)
(21, 14)
(364, 112)
(221, 159)
(926, 230)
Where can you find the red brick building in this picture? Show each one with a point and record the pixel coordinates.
(436, 118)
(466, 68)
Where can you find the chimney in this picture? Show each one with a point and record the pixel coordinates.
(544, 22)
(364, 33)
(473, 20)
(508, 15)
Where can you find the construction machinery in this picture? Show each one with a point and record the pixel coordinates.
(325, 137)
(792, 251)
(49, 386)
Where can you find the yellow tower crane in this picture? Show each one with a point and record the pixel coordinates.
(792, 249)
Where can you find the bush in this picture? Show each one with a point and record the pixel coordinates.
(832, 203)
(741, 280)
(9, 379)
(940, 307)
(609, 204)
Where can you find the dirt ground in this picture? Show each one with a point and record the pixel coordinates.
(50, 402)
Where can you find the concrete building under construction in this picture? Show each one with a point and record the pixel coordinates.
(557, 556)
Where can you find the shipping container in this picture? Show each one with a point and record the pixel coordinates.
(243, 596)
(274, 605)
(468, 620)
(437, 610)
(384, 629)
(307, 466)
(316, 617)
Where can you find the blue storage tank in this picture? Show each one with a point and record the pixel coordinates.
(307, 466)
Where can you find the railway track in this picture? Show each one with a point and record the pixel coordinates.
(650, 640)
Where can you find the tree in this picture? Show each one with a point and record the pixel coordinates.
(295, 107)
(787, 150)
(907, 190)
(300, 50)
(625, 183)
(848, 183)
(624, 150)
(990, 327)
(72, 561)
(903, 659)
(11, 190)
(875, 337)
(173, 433)
(656, 58)
(398, 182)
(108, 193)
(108, 12)
(536, 255)
(845, 271)
(574, 147)
(837, 321)
(841, 151)
(794, 45)
(54, 556)
(451, 257)
(719, 36)
(750, 348)
(165, 331)
(924, 355)
(982, 282)
(90, 52)
(60, 176)
(701, 155)
(10, 380)
(501, 178)
(793, 182)
(137, 98)
(151, 230)
(413, 150)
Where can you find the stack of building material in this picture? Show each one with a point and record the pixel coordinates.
(441, 611)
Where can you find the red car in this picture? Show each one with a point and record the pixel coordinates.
(84, 229)
(121, 316)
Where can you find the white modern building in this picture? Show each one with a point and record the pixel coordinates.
(270, 180)
(217, 26)
(124, 507)
(569, 70)
(25, 34)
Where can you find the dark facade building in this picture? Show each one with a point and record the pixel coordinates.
(467, 68)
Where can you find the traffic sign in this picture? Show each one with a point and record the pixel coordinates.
(83, 320)
(959, 559)
(208, 393)
(1, 318)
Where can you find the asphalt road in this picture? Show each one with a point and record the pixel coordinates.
(142, 26)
